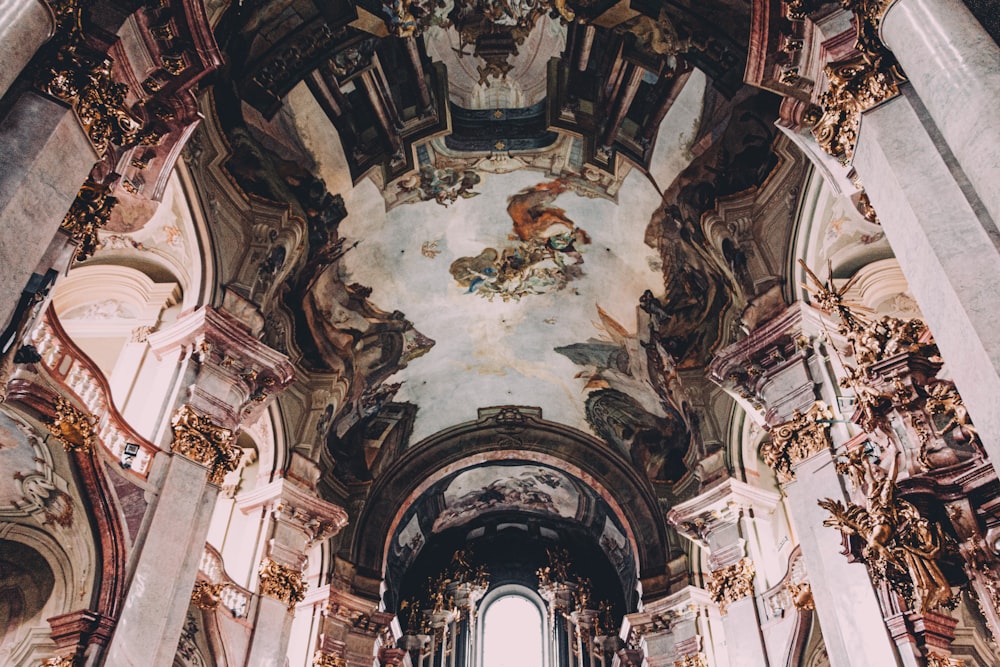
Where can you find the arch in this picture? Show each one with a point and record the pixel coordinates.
(491, 438)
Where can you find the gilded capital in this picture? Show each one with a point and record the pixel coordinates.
(731, 583)
(72, 427)
(196, 437)
(281, 582)
(60, 661)
(856, 85)
(797, 439)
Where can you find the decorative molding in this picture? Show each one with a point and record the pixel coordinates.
(316, 519)
(731, 583)
(198, 438)
(321, 659)
(72, 427)
(281, 582)
(797, 439)
(695, 660)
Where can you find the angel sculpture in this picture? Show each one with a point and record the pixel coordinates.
(901, 546)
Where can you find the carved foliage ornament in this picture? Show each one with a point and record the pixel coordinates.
(199, 439)
(89, 213)
(73, 428)
(797, 439)
(60, 661)
(281, 582)
(731, 583)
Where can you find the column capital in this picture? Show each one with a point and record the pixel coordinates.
(236, 375)
(795, 440)
(297, 508)
(281, 582)
(200, 439)
(731, 583)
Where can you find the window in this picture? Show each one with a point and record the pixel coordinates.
(513, 626)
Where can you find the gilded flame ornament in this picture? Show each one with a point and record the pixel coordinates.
(199, 439)
(731, 583)
(281, 582)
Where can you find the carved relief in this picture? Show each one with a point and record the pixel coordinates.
(73, 428)
(731, 583)
(199, 439)
(695, 660)
(281, 582)
(321, 659)
(797, 439)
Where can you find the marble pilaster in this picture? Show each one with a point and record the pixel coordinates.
(685, 625)
(954, 65)
(724, 521)
(45, 156)
(351, 627)
(947, 246)
(294, 519)
(224, 377)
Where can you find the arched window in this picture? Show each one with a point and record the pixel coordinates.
(512, 628)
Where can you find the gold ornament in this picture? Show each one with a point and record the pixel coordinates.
(199, 439)
(89, 213)
(694, 660)
(321, 659)
(731, 583)
(73, 428)
(281, 582)
(206, 595)
(797, 439)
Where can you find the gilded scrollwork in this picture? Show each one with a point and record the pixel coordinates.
(281, 582)
(72, 427)
(60, 661)
(902, 547)
(731, 583)
(797, 439)
(88, 214)
(199, 439)
(802, 596)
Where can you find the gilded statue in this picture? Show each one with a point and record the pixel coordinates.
(901, 546)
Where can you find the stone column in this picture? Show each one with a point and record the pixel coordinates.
(225, 377)
(722, 521)
(46, 157)
(294, 519)
(778, 373)
(954, 65)
(946, 245)
(683, 629)
(352, 629)
(24, 26)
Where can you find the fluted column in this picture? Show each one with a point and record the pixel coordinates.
(224, 377)
(723, 521)
(294, 519)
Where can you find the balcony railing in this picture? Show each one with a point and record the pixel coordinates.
(70, 366)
